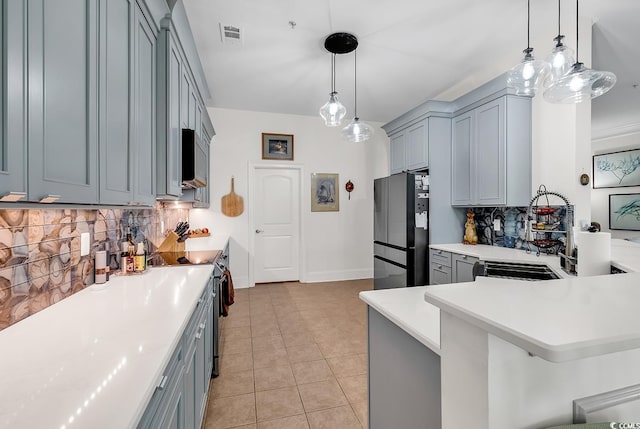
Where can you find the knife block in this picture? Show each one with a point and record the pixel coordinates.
(170, 244)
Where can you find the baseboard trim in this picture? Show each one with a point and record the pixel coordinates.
(334, 276)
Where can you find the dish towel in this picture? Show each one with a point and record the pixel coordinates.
(227, 292)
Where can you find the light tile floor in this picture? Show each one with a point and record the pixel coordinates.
(294, 356)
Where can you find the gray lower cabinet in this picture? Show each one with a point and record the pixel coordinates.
(13, 132)
(62, 100)
(491, 154)
(181, 395)
(462, 269)
(448, 267)
(145, 110)
(404, 378)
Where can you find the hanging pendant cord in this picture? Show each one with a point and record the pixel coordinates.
(577, 26)
(355, 83)
(558, 17)
(528, 21)
(333, 73)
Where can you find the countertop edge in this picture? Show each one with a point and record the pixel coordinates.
(400, 322)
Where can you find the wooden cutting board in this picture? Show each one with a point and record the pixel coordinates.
(232, 204)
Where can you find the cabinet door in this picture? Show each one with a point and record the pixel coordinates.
(185, 94)
(417, 146)
(169, 168)
(397, 153)
(173, 416)
(63, 129)
(13, 134)
(490, 153)
(145, 111)
(462, 164)
(190, 375)
(463, 268)
(115, 97)
(202, 377)
(439, 274)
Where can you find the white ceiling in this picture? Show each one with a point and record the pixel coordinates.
(409, 51)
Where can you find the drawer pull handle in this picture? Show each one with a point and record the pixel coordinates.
(439, 252)
(199, 334)
(202, 326)
(439, 267)
(163, 382)
(464, 257)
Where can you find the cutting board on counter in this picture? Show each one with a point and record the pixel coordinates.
(232, 204)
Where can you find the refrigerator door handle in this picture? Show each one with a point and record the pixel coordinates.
(389, 261)
(393, 246)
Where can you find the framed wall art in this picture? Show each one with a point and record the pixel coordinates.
(624, 211)
(325, 195)
(277, 146)
(616, 169)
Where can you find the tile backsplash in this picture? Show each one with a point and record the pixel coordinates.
(40, 262)
(513, 224)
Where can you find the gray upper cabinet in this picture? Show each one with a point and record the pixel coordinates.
(170, 75)
(409, 148)
(62, 97)
(491, 154)
(417, 146)
(145, 110)
(461, 158)
(115, 95)
(397, 151)
(13, 144)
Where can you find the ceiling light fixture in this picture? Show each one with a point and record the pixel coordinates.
(580, 83)
(524, 77)
(356, 131)
(337, 43)
(560, 59)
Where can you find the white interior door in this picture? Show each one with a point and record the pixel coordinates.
(276, 215)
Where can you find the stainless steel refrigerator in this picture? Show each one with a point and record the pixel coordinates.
(401, 233)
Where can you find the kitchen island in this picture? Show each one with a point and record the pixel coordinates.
(515, 354)
(94, 360)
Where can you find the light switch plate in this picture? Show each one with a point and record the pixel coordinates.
(85, 244)
(496, 224)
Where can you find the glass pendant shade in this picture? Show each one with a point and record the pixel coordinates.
(357, 131)
(333, 112)
(526, 75)
(560, 60)
(580, 84)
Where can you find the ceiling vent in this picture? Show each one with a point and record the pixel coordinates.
(230, 34)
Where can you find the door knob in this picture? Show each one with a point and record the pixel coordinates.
(258, 231)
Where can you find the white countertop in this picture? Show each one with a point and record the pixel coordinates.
(624, 255)
(213, 242)
(93, 360)
(558, 320)
(406, 308)
(503, 254)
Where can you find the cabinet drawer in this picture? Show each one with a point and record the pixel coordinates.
(440, 257)
(440, 274)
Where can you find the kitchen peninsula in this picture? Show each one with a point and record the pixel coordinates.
(510, 354)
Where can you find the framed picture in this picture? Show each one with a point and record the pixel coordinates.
(617, 169)
(277, 146)
(624, 211)
(325, 195)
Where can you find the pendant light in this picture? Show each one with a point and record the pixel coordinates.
(337, 43)
(333, 111)
(580, 83)
(525, 76)
(560, 59)
(356, 131)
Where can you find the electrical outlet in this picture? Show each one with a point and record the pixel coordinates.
(85, 244)
(496, 224)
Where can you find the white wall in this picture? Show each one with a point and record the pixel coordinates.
(337, 245)
(561, 140)
(600, 197)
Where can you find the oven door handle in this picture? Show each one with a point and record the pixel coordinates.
(479, 270)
